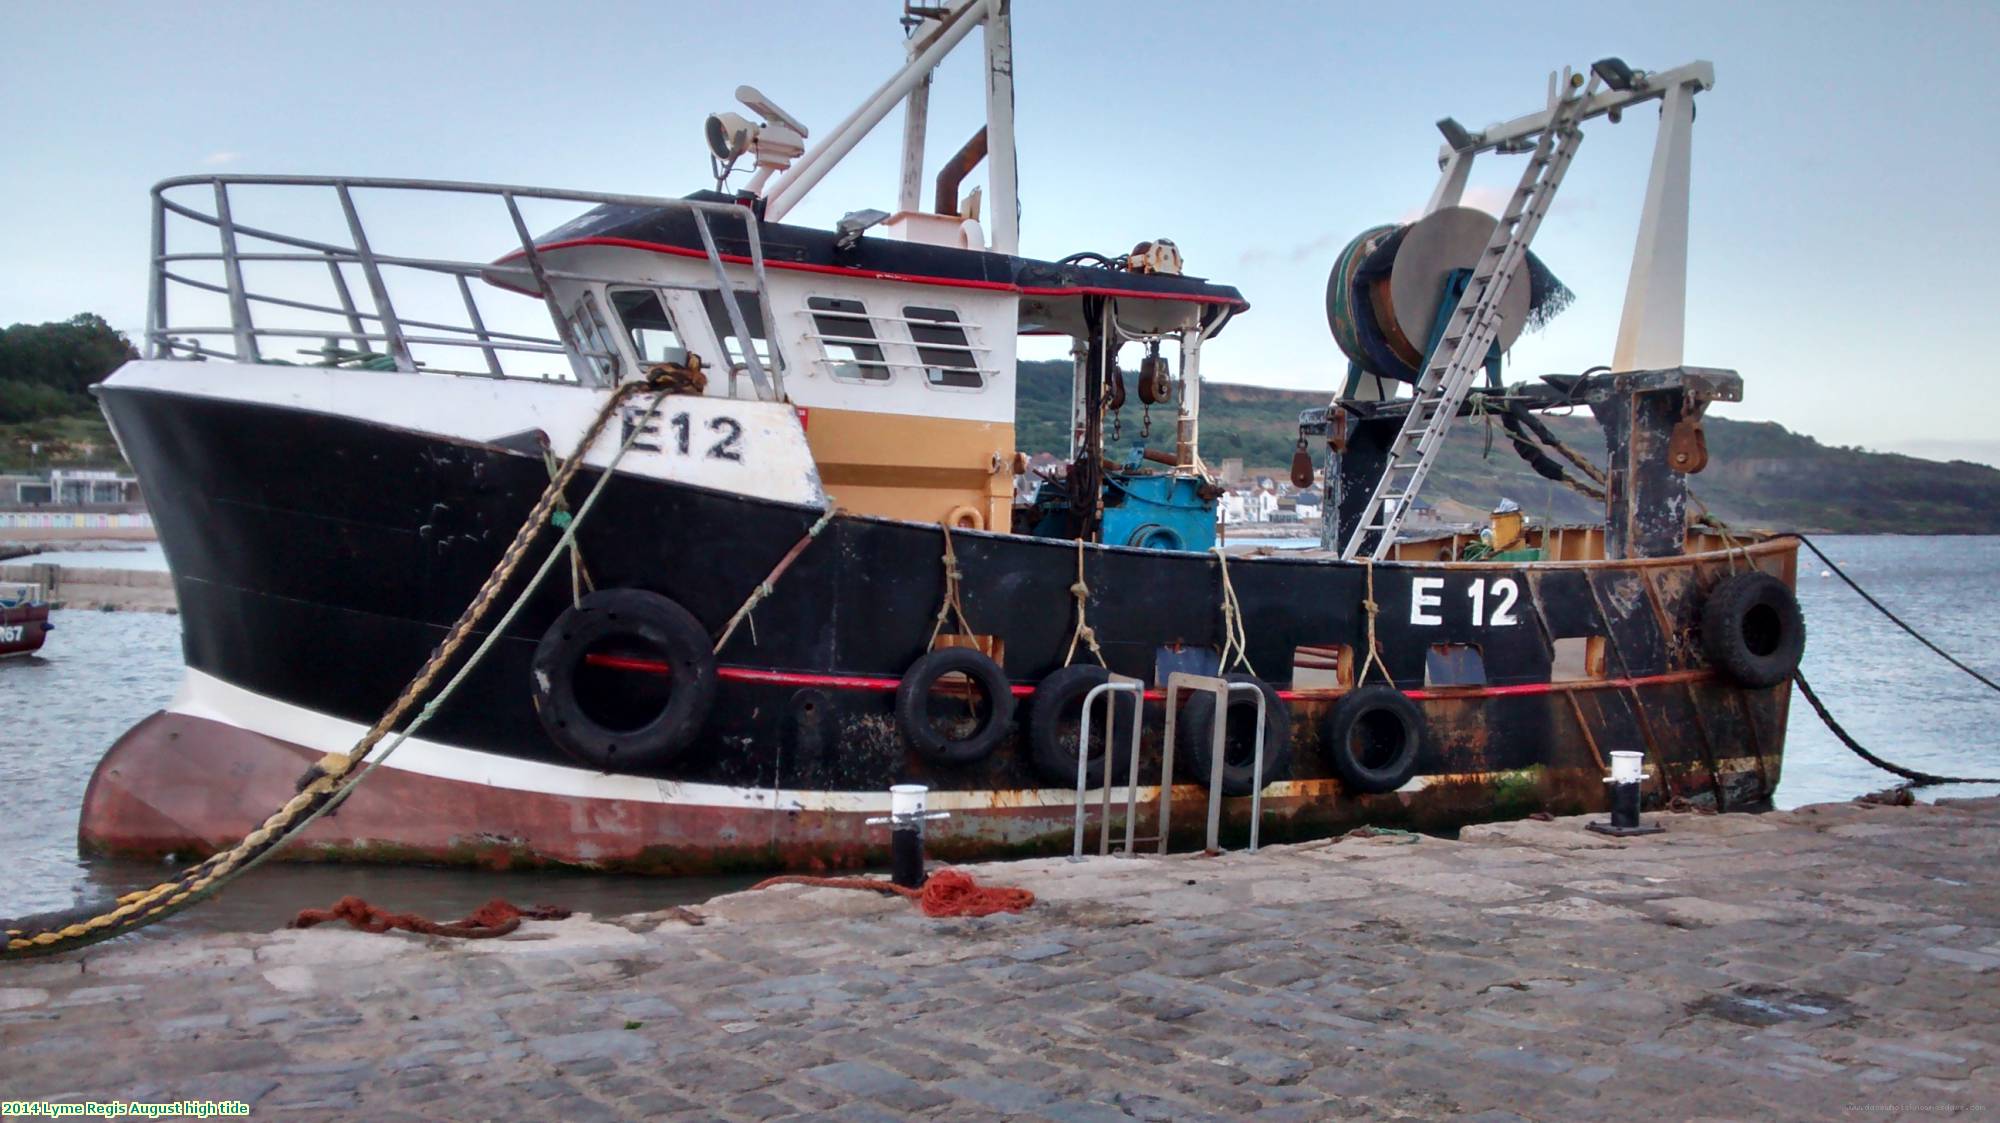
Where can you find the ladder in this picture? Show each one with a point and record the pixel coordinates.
(1468, 336)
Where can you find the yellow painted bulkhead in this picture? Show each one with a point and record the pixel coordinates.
(919, 468)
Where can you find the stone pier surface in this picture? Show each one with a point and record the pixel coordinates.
(1840, 961)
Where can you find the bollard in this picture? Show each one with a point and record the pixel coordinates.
(906, 835)
(1626, 776)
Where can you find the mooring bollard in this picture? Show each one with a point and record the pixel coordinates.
(906, 833)
(1627, 773)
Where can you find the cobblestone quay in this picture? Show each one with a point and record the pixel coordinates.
(1835, 962)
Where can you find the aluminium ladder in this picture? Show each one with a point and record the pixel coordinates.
(1461, 351)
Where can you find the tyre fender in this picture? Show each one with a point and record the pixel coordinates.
(984, 677)
(638, 715)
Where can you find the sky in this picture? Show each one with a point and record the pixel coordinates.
(1843, 225)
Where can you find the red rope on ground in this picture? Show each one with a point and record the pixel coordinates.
(494, 918)
(947, 892)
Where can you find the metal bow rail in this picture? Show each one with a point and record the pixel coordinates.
(1177, 682)
(378, 332)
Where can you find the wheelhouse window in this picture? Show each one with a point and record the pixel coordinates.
(943, 349)
(648, 326)
(753, 320)
(589, 335)
(853, 350)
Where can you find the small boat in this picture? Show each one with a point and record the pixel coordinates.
(24, 619)
(809, 577)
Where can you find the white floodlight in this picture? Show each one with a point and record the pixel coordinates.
(729, 135)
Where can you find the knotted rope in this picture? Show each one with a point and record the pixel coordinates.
(1083, 632)
(948, 892)
(1235, 640)
(1374, 644)
(770, 582)
(494, 918)
(951, 603)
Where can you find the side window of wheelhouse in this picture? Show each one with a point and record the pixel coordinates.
(753, 321)
(647, 324)
(848, 338)
(942, 348)
(589, 335)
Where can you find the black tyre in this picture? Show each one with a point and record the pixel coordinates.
(1374, 735)
(1197, 737)
(1055, 726)
(954, 705)
(624, 679)
(1752, 629)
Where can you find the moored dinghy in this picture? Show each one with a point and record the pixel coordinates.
(807, 578)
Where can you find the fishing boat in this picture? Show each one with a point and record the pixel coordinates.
(24, 619)
(797, 573)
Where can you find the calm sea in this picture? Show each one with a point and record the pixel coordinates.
(104, 671)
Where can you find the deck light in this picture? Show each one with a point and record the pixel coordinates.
(1617, 75)
(1456, 135)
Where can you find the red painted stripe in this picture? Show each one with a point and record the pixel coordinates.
(879, 683)
(878, 275)
(627, 663)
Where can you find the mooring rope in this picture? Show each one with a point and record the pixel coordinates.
(1081, 591)
(336, 774)
(1847, 739)
(1234, 637)
(950, 603)
(770, 582)
(1915, 776)
(1374, 644)
(1893, 618)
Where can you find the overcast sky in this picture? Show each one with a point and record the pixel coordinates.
(1844, 165)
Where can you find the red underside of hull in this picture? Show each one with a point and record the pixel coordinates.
(188, 786)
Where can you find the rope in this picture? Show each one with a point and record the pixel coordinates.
(579, 575)
(1083, 632)
(950, 604)
(1234, 638)
(1893, 618)
(494, 918)
(331, 778)
(1847, 739)
(1374, 644)
(770, 581)
(947, 892)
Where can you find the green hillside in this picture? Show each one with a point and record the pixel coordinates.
(1759, 473)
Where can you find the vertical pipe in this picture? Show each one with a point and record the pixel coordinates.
(385, 312)
(232, 271)
(916, 118)
(1451, 181)
(1218, 748)
(156, 285)
(1650, 331)
(1000, 167)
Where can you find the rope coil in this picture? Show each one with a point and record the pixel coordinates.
(947, 892)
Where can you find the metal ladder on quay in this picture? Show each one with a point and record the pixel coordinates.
(1461, 352)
